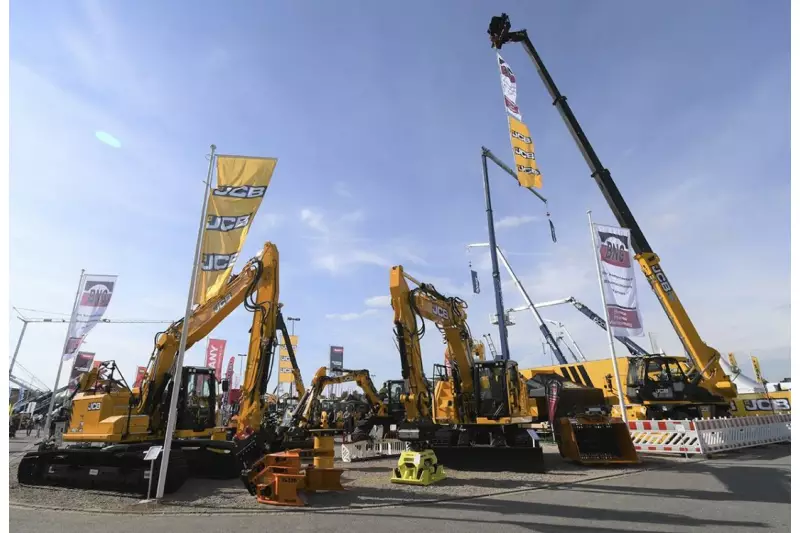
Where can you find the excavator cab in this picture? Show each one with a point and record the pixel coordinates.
(197, 401)
(498, 386)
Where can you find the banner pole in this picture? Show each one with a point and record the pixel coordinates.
(609, 328)
(72, 319)
(176, 379)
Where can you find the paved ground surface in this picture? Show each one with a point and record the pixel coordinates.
(748, 491)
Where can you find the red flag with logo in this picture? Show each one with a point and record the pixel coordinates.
(215, 351)
(553, 392)
(229, 372)
(140, 371)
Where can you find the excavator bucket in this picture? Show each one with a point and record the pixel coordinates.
(589, 440)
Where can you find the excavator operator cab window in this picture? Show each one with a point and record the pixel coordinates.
(199, 401)
(492, 387)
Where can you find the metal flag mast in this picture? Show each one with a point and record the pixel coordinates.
(176, 386)
(498, 293)
(72, 319)
(609, 328)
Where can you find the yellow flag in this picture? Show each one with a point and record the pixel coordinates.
(286, 371)
(732, 359)
(757, 369)
(242, 183)
(524, 156)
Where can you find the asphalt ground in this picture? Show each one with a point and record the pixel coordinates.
(744, 491)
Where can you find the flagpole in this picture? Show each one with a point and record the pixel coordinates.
(609, 329)
(176, 379)
(72, 319)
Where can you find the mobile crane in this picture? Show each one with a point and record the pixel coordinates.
(477, 402)
(707, 387)
(110, 427)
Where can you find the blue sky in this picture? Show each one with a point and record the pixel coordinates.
(377, 113)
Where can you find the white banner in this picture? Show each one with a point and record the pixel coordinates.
(93, 299)
(619, 283)
(509, 83)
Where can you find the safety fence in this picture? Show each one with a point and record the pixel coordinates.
(371, 449)
(710, 435)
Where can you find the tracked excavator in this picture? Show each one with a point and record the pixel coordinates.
(476, 414)
(705, 389)
(110, 427)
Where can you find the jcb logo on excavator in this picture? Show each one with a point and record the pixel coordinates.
(219, 305)
(94, 406)
(227, 223)
(441, 312)
(245, 191)
(661, 278)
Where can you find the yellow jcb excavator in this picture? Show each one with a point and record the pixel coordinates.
(481, 406)
(110, 427)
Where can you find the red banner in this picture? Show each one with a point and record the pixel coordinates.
(229, 373)
(95, 364)
(81, 365)
(140, 371)
(215, 351)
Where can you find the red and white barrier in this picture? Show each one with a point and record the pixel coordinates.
(708, 436)
(665, 436)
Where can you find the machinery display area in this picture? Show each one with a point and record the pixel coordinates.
(645, 438)
(366, 484)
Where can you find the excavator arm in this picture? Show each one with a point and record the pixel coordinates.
(304, 412)
(449, 315)
(202, 322)
(705, 358)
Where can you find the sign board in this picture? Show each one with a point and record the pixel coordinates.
(336, 358)
(152, 453)
(30, 408)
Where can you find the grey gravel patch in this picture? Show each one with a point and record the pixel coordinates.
(366, 485)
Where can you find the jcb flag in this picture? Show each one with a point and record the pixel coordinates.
(521, 143)
(524, 156)
(286, 374)
(757, 369)
(242, 183)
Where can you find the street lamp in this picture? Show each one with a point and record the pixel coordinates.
(241, 362)
(293, 320)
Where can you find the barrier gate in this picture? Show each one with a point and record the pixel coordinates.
(708, 436)
(370, 449)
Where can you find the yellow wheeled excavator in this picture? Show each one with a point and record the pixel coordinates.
(706, 386)
(477, 415)
(110, 428)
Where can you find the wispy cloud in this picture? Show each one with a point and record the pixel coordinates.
(350, 316)
(378, 301)
(514, 221)
(341, 189)
(339, 245)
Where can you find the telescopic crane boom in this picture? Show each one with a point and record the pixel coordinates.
(705, 358)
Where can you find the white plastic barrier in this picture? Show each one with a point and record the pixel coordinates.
(370, 449)
(708, 436)
(723, 434)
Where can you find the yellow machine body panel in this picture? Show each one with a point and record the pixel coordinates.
(759, 404)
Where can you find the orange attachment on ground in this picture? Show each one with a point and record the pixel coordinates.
(281, 477)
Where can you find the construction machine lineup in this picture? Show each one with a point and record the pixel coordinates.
(474, 414)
